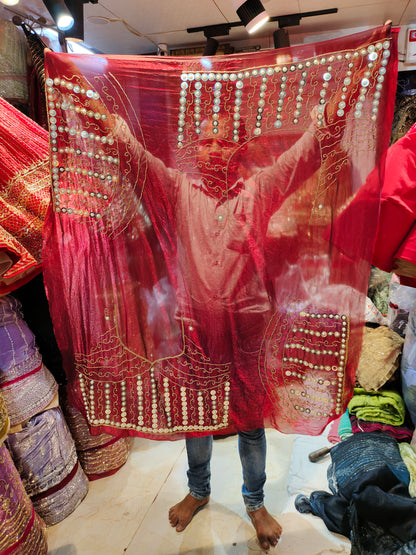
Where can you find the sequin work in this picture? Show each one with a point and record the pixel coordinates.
(195, 229)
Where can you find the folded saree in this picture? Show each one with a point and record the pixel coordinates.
(402, 432)
(378, 406)
(409, 457)
(99, 455)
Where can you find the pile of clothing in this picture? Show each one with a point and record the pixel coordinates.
(372, 473)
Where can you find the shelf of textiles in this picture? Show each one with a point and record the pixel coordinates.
(51, 449)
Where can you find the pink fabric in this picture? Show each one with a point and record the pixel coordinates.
(194, 284)
(333, 436)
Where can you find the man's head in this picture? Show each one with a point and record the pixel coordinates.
(218, 155)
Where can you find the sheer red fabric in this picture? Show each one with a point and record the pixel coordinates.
(194, 284)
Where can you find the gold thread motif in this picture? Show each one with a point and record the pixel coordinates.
(185, 392)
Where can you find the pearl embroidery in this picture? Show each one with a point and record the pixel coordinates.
(320, 346)
(152, 416)
(262, 79)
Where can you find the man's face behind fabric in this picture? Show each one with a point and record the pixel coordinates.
(216, 152)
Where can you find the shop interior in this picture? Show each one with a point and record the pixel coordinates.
(76, 333)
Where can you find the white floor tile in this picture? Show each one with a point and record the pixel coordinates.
(107, 519)
(127, 513)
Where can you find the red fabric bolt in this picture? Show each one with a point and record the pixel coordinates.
(24, 194)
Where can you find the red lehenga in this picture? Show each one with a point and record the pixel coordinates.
(196, 293)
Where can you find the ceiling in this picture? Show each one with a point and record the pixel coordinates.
(167, 21)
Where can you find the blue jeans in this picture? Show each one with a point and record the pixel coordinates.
(252, 449)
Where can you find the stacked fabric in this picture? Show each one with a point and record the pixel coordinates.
(100, 455)
(385, 407)
(44, 454)
(40, 442)
(26, 384)
(22, 530)
(377, 405)
(380, 357)
(4, 420)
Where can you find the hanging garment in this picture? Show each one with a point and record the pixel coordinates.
(22, 530)
(396, 235)
(37, 103)
(186, 297)
(13, 64)
(24, 195)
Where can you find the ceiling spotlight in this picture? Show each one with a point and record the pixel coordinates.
(60, 13)
(9, 2)
(76, 9)
(252, 14)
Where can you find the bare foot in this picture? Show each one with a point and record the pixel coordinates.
(267, 528)
(181, 514)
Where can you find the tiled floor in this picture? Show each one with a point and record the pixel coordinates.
(126, 514)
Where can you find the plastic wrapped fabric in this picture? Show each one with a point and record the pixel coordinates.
(402, 299)
(45, 457)
(22, 530)
(408, 366)
(100, 455)
(26, 384)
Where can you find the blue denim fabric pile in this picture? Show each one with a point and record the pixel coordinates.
(370, 502)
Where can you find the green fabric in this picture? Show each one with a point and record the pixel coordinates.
(409, 457)
(386, 407)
